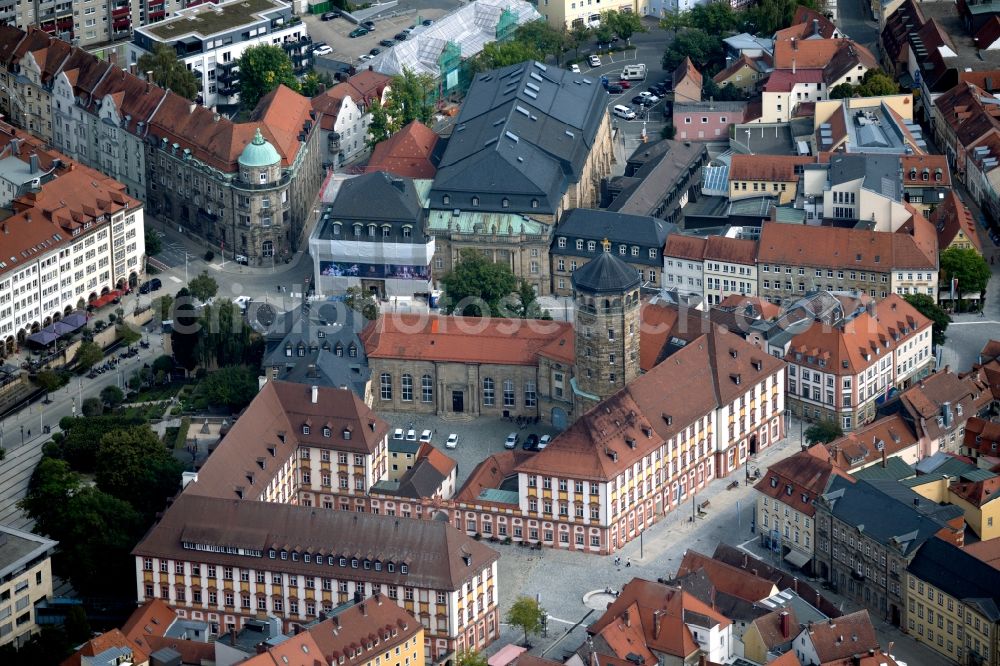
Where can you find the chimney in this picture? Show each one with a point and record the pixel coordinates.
(33, 162)
(795, 45)
(793, 62)
(364, 611)
(656, 624)
(870, 306)
(883, 459)
(626, 618)
(315, 394)
(786, 624)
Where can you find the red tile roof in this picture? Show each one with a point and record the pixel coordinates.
(798, 480)
(977, 493)
(490, 474)
(859, 448)
(483, 341)
(731, 250)
(686, 247)
(805, 54)
(783, 80)
(106, 641)
(839, 247)
(843, 637)
(952, 216)
(982, 436)
(362, 88)
(299, 650)
(726, 578)
(656, 324)
(987, 551)
(153, 618)
(743, 61)
(767, 168)
(913, 167)
(355, 626)
(767, 309)
(406, 153)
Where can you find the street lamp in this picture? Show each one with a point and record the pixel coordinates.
(22, 435)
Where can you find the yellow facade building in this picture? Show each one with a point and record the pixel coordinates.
(25, 580)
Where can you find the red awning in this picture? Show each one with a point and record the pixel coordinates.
(105, 299)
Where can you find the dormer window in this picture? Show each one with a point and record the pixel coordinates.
(305, 429)
(326, 432)
(774, 482)
(446, 199)
(352, 351)
(339, 349)
(505, 202)
(347, 433)
(288, 350)
(336, 229)
(475, 201)
(534, 203)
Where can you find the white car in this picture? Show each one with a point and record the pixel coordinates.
(452, 441)
(326, 49)
(544, 441)
(645, 94)
(575, 68)
(511, 441)
(365, 57)
(397, 434)
(425, 437)
(411, 435)
(595, 61)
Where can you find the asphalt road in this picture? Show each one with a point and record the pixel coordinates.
(855, 20)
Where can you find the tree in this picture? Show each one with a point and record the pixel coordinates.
(715, 18)
(470, 658)
(92, 407)
(668, 131)
(163, 363)
(842, 91)
(203, 287)
(133, 465)
(52, 485)
(705, 51)
(575, 37)
(381, 126)
(232, 387)
(929, 308)
(313, 83)
(410, 98)
(502, 54)
(823, 431)
(363, 301)
(542, 38)
(154, 245)
(128, 335)
(88, 354)
(164, 307)
(262, 69)
(623, 24)
(112, 396)
(526, 614)
(169, 72)
(603, 33)
(769, 16)
(76, 626)
(186, 332)
(49, 381)
(675, 21)
(527, 306)
(226, 337)
(876, 83)
(476, 286)
(968, 267)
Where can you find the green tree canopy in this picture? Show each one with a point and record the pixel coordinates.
(526, 614)
(543, 38)
(92, 407)
(154, 244)
(262, 69)
(88, 354)
(715, 18)
(476, 286)
(186, 332)
(232, 387)
(876, 83)
(164, 306)
(623, 24)
(411, 98)
(823, 432)
(929, 308)
(768, 16)
(575, 37)
(382, 126)
(968, 266)
(112, 396)
(169, 72)
(527, 306)
(50, 380)
(226, 338)
(705, 50)
(471, 658)
(203, 286)
(501, 54)
(315, 82)
(358, 299)
(134, 466)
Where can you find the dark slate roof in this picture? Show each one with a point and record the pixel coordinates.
(959, 574)
(319, 330)
(524, 132)
(593, 224)
(904, 519)
(606, 274)
(378, 196)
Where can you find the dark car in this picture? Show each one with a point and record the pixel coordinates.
(387, 43)
(375, 51)
(638, 99)
(530, 443)
(329, 16)
(358, 32)
(368, 24)
(658, 89)
(400, 36)
(615, 89)
(427, 22)
(150, 285)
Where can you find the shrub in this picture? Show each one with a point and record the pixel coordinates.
(209, 255)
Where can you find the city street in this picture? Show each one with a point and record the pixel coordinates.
(854, 18)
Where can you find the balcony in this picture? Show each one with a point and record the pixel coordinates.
(227, 91)
(226, 65)
(226, 75)
(119, 12)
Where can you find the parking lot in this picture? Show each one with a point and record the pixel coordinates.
(336, 32)
(476, 439)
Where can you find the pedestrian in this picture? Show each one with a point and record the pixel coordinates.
(628, 562)
(618, 561)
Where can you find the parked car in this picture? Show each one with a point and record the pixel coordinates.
(364, 57)
(358, 32)
(375, 51)
(615, 89)
(638, 99)
(625, 84)
(452, 441)
(645, 94)
(241, 259)
(622, 111)
(150, 285)
(425, 437)
(411, 435)
(427, 22)
(326, 49)
(544, 441)
(368, 25)
(511, 441)
(594, 60)
(575, 68)
(401, 36)
(397, 434)
(530, 443)
(387, 43)
(329, 16)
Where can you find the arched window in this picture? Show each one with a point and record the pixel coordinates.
(489, 392)
(385, 386)
(407, 388)
(508, 393)
(426, 389)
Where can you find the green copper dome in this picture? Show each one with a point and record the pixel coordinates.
(259, 153)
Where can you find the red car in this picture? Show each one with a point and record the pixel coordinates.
(625, 84)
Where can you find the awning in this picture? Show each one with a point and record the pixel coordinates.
(105, 299)
(76, 320)
(507, 654)
(60, 329)
(797, 558)
(43, 338)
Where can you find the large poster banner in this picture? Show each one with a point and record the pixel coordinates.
(373, 271)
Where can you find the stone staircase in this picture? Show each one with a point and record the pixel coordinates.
(462, 417)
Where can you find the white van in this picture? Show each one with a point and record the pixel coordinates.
(623, 112)
(633, 73)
